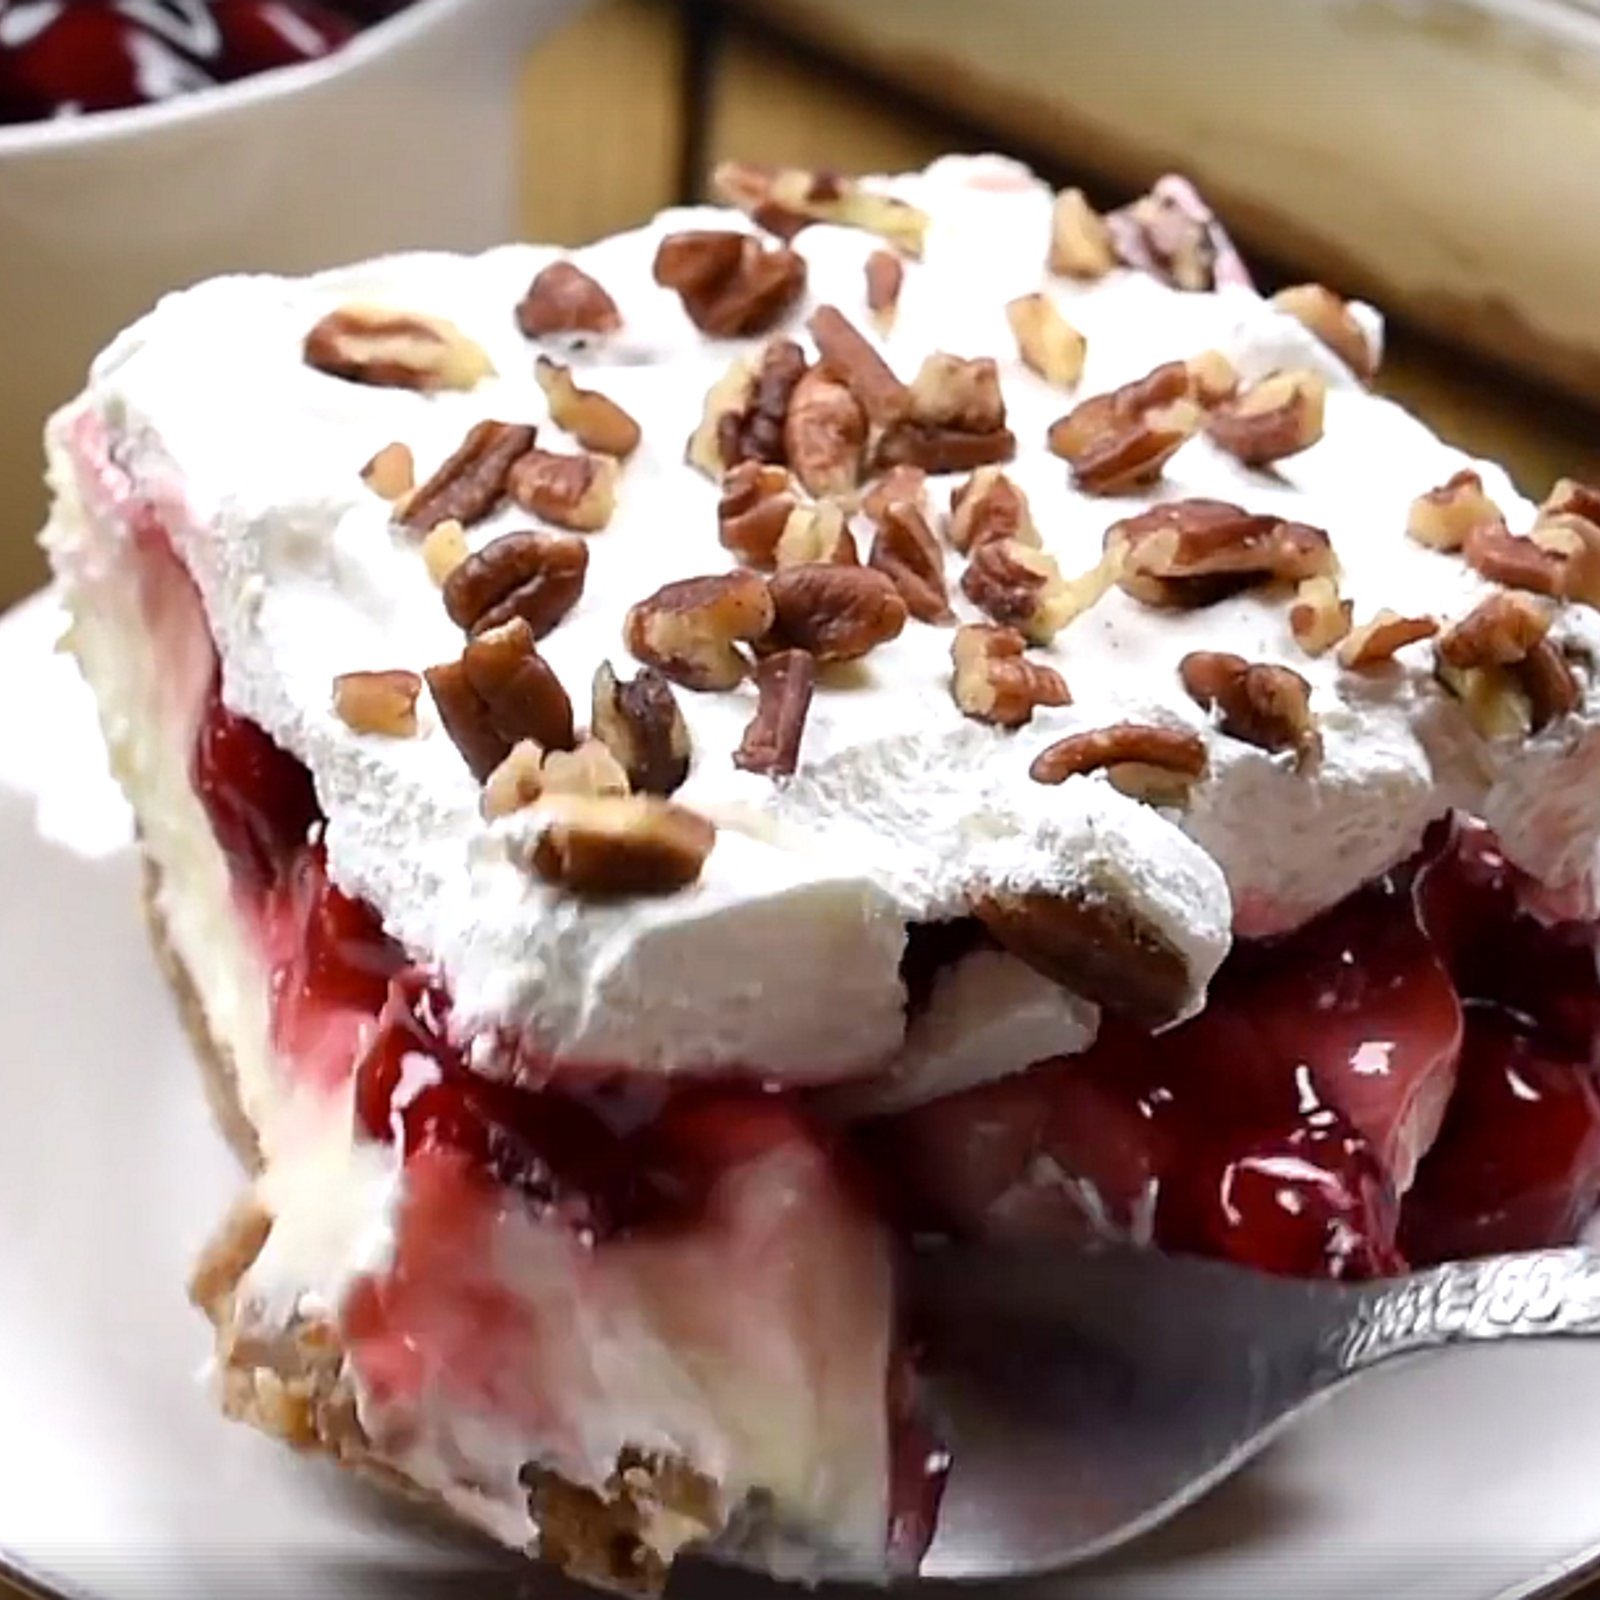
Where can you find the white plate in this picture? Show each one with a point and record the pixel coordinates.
(1474, 1476)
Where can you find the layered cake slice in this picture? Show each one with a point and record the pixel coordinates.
(901, 707)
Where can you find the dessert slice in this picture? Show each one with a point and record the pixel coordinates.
(896, 706)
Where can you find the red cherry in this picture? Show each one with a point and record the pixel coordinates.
(1517, 1165)
(259, 799)
(1311, 1200)
(258, 35)
(339, 953)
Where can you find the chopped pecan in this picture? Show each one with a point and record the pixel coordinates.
(589, 769)
(755, 431)
(1212, 378)
(824, 435)
(690, 630)
(1375, 642)
(391, 472)
(500, 692)
(849, 357)
(784, 199)
(816, 533)
(516, 782)
(989, 507)
(1194, 552)
(1271, 420)
(1502, 557)
(593, 419)
(1568, 525)
(730, 284)
(885, 276)
(1142, 745)
(1325, 315)
(1123, 439)
(564, 299)
(535, 576)
(938, 449)
(378, 702)
(784, 685)
(837, 613)
(952, 392)
(905, 550)
(1172, 234)
(472, 481)
(444, 549)
(1046, 341)
(994, 681)
(1443, 517)
(1021, 587)
(641, 724)
(1093, 945)
(729, 397)
(605, 845)
(1080, 241)
(1500, 663)
(572, 491)
(1267, 706)
(1319, 618)
(395, 350)
(898, 486)
(754, 510)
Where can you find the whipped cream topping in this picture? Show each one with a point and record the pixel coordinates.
(785, 956)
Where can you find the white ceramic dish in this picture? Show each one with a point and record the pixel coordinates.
(405, 138)
(1472, 1477)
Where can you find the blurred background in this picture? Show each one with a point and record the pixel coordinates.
(1430, 154)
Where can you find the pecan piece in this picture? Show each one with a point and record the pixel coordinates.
(1173, 234)
(564, 299)
(784, 685)
(1143, 760)
(754, 510)
(1568, 525)
(1096, 947)
(593, 419)
(1500, 556)
(1256, 703)
(472, 481)
(1080, 241)
(641, 724)
(391, 473)
(1123, 439)
(816, 533)
(1500, 663)
(500, 692)
(899, 485)
(1021, 587)
(905, 550)
(1046, 341)
(989, 507)
(1195, 552)
(395, 350)
(753, 428)
(953, 392)
(993, 681)
(572, 491)
(1319, 618)
(1375, 642)
(1443, 517)
(378, 702)
(516, 782)
(535, 576)
(1212, 378)
(589, 769)
(1330, 320)
(605, 845)
(785, 199)
(849, 357)
(937, 449)
(837, 613)
(885, 274)
(444, 549)
(730, 284)
(1271, 420)
(689, 630)
(824, 435)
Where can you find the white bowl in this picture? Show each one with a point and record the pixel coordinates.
(404, 138)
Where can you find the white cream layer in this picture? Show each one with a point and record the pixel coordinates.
(784, 957)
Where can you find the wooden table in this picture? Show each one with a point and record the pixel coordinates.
(608, 137)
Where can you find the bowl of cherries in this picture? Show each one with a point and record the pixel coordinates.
(145, 144)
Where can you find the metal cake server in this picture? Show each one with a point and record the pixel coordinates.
(1087, 1398)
